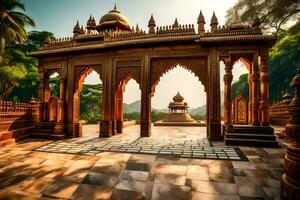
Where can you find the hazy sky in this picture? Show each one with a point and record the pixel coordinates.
(60, 16)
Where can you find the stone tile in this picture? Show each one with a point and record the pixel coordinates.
(76, 176)
(214, 187)
(100, 179)
(61, 189)
(126, 195)
(169, 169)
(85, 191)
(137, 166)
(107, 167)
(172, 192)
(139, 186)
(174, 179)
(134, 175)
(206, 196)
(221, 174)
(40, 185)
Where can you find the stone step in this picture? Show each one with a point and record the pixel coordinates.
(250, 142)
(47, 136)
(251, 136)
(251, 129)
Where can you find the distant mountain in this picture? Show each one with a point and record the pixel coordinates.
(136, 107)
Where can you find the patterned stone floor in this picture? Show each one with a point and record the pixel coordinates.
(187, 147)
(29, 174)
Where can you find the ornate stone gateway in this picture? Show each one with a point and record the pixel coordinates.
(118, 52)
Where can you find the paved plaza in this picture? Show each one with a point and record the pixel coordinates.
(174, 163)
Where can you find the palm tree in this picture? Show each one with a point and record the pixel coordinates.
(12, 23)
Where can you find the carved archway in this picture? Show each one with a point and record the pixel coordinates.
(81, 72)
(197, 66)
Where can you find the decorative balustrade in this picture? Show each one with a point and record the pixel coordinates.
(279, 112)
(17, 115)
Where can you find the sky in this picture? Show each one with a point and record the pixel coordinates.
(60, 16)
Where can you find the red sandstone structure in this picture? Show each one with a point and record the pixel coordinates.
(290, 182)
(118, 53)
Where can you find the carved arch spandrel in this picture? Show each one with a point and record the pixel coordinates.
(83, 71)
(159, 66)
(123, 73)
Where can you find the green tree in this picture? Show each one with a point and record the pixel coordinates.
(274, 14)
(12, 23)
(240, 87)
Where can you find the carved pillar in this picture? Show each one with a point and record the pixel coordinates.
(106, 124)
(290, 181)
(254, 78)
(227, 92)
(146, 99)
(62, 95)
(264, 89)
(41, 96)
(214, 120)
(119, 111)
(250, 97)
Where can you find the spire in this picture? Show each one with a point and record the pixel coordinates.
(151, 24)
(176, 24)
(201, 18)
(89, 22)
(77, 29)
(214, 19)
(137, 29)
(115, 7)
(201, 23)
(214, 23)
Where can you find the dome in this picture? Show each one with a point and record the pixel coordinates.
(178, 98)
(113, 20)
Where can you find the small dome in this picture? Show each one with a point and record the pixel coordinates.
(178, 98)
(113, 20)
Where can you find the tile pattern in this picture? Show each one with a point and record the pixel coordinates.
(193, 148)
(29, 174)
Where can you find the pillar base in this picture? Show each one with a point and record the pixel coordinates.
(119, 126)
(145, 128)
(214, 131)
(114, 127)
(74, 129)
(105, 128)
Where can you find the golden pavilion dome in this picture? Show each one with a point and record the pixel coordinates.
(113, 20)
(178, 98)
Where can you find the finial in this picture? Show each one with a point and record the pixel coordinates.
(175, 25)
(201, 18)
(214, 19)
(151, 21)
(115, 7)
(137, 29)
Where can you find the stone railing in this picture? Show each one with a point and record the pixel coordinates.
(279, 114)
(17, 118)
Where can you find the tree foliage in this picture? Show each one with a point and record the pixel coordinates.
(12, 23)
(274, 14)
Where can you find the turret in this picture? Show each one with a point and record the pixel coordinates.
(214, 23)
(77, 30)
(151, 25)
(176, 24)
(201, 23)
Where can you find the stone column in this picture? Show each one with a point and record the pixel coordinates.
(41, 96)
(290, 181)
(214, 117)
(119, 107)
(254, 102)
(264, 89)
(146, 99)
(227, 92)
(106, 124)
(62, 95)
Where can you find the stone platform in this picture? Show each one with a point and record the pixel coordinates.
(195, 124)
(29, 174)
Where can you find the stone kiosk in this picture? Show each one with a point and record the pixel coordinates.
(178, 114)
(119, 52)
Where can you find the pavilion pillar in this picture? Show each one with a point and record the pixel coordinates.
(146, 99)
(214, 117)
(250, 97)
(264, 90)
(106, 123)
(227, 93)
(290, 182)
(62, 94)
(119, 111)
(41, 90)
(254, 102)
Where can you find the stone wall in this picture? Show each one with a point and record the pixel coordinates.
(279, 114)
(16, 119)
